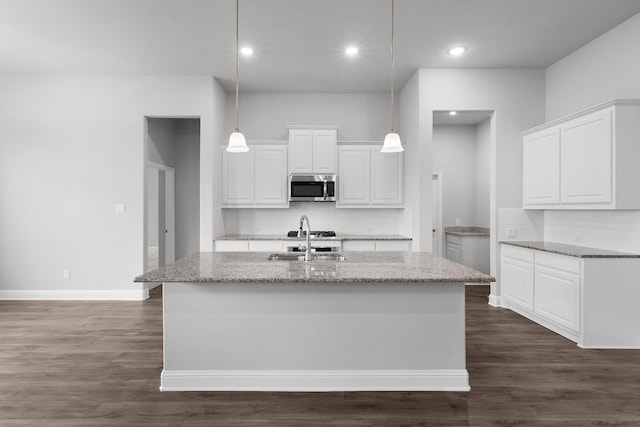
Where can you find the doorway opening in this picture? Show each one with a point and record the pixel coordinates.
(462, 152)
(172, 190)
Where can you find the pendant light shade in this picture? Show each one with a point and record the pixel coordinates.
(392, 142)
(237, 141)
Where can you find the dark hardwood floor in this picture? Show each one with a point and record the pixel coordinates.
(99, 363)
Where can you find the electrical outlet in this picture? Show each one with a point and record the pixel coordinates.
(66, 274)
(458, 221)
(579, 237)
(512, 233)
(121, 208)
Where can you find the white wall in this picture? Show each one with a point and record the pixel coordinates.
(606, 68)
(72, 147)
(517, 98)
(483, 173)
(409, 124)
(361, 116)
(187, 157)
(265, 116)
(454, 154)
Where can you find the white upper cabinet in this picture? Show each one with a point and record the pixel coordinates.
(541, 167)
(354, 176)
(584, 161)
(368, 178)
(237, 178)
(300, 151)
(587, 143)
(312, 150)
(257, 178)
(387, 175)
(270, 176)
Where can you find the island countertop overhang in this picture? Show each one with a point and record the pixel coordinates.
(359, 267)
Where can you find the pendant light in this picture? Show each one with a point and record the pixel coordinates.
(392, 140)
(237, 141)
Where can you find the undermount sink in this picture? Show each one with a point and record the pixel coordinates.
(314, 257)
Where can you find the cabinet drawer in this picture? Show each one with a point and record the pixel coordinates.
(232, 245)
(359, 245)
(393, 245)
(557, 261)
(515, 252)
(265, 246)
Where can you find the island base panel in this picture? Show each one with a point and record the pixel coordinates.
(314, 336)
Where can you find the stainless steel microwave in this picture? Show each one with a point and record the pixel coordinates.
(312, 188)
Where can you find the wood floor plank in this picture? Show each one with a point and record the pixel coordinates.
(69, 363)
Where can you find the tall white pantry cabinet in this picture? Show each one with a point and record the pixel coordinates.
(588, 160)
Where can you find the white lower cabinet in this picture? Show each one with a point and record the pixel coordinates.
(592, 301)
(249, 245)
(472, 251)
(376, 245)
(516, 269)
(557, 296)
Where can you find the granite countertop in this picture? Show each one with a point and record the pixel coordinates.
(458, 230)
(570, 250)
(339, 237)
(359, 267)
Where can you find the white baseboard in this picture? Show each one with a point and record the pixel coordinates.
(79, 294)
(316, 380)
(495, 300)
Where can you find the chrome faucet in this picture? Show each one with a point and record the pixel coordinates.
(307, 252)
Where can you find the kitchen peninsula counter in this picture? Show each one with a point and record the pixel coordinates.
(378, 321)
(368, 267)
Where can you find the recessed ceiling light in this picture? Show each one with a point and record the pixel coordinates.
(453, 113)
(457, 50)
(351, 50)
(246, 51)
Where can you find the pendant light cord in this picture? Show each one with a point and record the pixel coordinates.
(392, 68)
(237, 60)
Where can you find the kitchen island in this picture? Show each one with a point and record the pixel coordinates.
(375, 321)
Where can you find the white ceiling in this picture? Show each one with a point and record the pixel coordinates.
(299, 44)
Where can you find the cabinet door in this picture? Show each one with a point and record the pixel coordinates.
(237, 178)
(516, 278)
(387, 178)
(557, 296)
(453, 252)
(353, 175)
(271, 175)
(300, 151)
(586, 159)
(324, 151)
(541, 168)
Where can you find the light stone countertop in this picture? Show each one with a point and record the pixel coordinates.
(339, 237)
(464, 231)
(570, 250)
(359, 267)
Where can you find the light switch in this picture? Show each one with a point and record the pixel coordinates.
(66, 274)
(120, 208)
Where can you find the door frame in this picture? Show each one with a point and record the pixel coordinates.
(169, 236)
(436, 220)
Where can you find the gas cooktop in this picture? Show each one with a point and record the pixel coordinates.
(294, 233)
